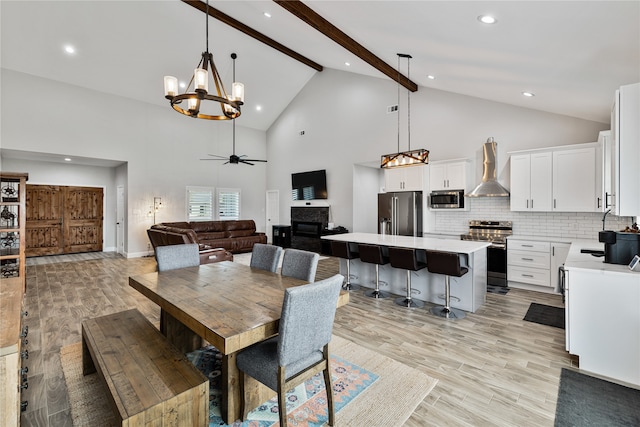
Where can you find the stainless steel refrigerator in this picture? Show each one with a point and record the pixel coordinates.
(400, 213)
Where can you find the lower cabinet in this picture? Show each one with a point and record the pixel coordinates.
(535, 264)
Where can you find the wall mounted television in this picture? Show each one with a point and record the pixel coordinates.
(309, 185)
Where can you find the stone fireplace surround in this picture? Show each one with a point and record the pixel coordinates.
(307, 224)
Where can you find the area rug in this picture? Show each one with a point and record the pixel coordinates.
(366, 377)
(584, 400)
(545, 315)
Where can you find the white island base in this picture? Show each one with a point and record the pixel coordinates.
(468, 292)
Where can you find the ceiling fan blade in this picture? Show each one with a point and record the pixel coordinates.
(245, 162)
(216, 155)
(222, 158)
(255, 160)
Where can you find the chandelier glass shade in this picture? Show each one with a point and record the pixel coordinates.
(197, 93)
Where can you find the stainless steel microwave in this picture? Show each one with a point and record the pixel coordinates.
(447, 199)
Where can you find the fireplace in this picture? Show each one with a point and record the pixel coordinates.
(307, 224)
(306, 229)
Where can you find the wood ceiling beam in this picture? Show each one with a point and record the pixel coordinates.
(307, 15)
(220, 16)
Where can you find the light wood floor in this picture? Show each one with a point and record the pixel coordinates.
(494, 369)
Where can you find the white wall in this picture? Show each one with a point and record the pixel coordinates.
(162, 148)
(48, 173)
(345, 122)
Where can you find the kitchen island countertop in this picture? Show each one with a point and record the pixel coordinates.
(428, 243)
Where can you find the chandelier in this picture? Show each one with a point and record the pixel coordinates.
(410, 157)
(198, 90)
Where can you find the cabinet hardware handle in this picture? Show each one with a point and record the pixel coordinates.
(527, 259)
(527, 275)
(531, 203)
(599, 202)
(527, 203)
(553, 251)
(527, 246)
(554, 203)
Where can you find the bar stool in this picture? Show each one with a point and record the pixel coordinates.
(343, 250)
(373, 254)
(448, 264)
(407, 259)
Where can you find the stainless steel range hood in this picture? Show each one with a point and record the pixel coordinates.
(489, 187)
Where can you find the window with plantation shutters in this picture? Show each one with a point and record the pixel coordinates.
(200, 203)
(228, 204)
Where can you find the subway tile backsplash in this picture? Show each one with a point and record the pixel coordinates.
(574, 225)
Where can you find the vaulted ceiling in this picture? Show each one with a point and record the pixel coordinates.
(571, 54)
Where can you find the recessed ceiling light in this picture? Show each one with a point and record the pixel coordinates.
(430, 77)
(69, 49)
(67, 159)
(348, 64)
(267, 14)
(258, 107)
(529, 94)
(487, 19)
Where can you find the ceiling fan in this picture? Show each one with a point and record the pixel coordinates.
(233, 159)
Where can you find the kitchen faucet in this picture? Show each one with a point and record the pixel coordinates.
(604, 217)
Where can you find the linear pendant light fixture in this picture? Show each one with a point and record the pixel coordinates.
(229, 104)
(410, 157)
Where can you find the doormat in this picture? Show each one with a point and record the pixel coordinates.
(545, 315)
(584, 400)
(500, 290)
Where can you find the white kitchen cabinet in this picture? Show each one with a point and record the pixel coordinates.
(408, 178)
(528, 262)
(603, 321)
(625, 136)
(559, 253)
(609, 154)
(531, 181)
(449, 175)
(576, 181)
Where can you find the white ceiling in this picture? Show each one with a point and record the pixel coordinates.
(571, 54)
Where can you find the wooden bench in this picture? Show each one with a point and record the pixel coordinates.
(150, 382)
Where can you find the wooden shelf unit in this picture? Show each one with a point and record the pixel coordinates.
(13, 190)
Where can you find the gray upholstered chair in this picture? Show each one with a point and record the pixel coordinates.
(301, 348)
(300, 264)
(177, 256)
(265, 257)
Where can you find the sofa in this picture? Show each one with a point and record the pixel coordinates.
(234, 236)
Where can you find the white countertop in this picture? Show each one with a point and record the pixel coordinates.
(578, 260)
(444, 245)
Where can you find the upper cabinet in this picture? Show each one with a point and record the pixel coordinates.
(608, 171)
(449, 175)
(561, 179)
(625, 138)
(577, 180)
(531, 184)
(407, 178)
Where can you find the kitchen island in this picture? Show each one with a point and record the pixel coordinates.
(468, 292)
(602, 314)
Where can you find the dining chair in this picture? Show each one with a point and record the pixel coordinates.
(301, 348)
(171, 257)
(265, 257)
(300, 264)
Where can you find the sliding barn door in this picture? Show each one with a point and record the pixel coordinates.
(82, 219)
(44, 220)
(62, 220)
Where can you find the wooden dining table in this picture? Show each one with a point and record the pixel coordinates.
(227, 304)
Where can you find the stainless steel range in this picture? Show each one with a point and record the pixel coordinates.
(495, 232)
